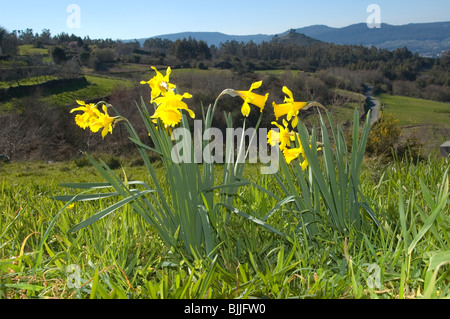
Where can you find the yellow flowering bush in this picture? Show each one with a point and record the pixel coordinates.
(384, 135)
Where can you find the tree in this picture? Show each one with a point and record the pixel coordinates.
(2, 35)
(59, 55)
(27, 36)
(45, 36)
(8, 42)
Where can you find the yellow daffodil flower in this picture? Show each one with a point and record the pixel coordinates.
(252, 98)
(103, 121)
(289, 108)
(169, 106)
(283, 137)
(159, 84)
(169, 116)
(294, 153)
(84, 120)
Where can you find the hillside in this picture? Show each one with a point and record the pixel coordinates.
(41, 77)
(293, 37)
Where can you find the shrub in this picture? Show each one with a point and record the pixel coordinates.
(383, 136)
(59, 55)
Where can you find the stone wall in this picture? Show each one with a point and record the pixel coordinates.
(19, 91)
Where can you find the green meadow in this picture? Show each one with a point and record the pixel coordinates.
(414, 111)
(98, 87)
(121, 256)
(425, 120)
(29, 49)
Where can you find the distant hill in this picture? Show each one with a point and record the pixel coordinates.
(294, 37)
(426, 39)
(213, 38)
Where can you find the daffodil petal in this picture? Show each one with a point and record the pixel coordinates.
(256, 85)
(294, 122)
(81, 108)
(245, 109)
(291, 154)
(299, 105)
(288, 92)
(281, 109)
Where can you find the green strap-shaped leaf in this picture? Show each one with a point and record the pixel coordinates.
(428, 223)
(107, 211)
(97, 185)
(84, 198)
(253, 219)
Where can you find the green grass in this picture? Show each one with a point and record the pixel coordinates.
(98, 87)
(278, 72)
(413, 111)
(27, 81)
(29, 49)
(121, 257)
(425, 120)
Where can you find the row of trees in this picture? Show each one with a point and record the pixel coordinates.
(10, 41)
(399, 64)
(400, 69)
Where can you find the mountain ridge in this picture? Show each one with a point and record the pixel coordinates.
(426, 39)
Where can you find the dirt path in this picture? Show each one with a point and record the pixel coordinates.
(374, 104)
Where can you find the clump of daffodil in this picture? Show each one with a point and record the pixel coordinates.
(252, 98)
(169, 106)
(284, 137)
(159, 84)
(94, 118)
(289, 107)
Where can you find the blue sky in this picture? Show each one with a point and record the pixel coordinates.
(140, 19)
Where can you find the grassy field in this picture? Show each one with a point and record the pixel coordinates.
(29, 49)
(28, 81)
(413, 111)
(122, 257)
(428, 121)
(98, 87)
